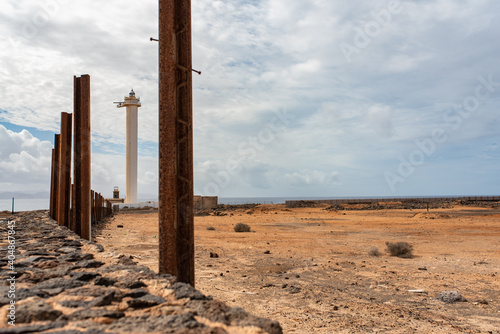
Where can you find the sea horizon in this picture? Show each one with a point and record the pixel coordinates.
(31, 204)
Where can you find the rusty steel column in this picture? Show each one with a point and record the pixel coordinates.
(92, 206)
(55, 199)
(52, 168)
(83, 191)
(176, 221)
(65, 170)
(72, 211)
(77, 156)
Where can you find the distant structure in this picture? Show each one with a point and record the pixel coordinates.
(116, 193)
(132, 103)
(205, 202)
(116, 196)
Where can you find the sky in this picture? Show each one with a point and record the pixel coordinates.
(296, 98)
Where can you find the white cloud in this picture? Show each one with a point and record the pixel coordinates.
(315, 179)
(24, 162)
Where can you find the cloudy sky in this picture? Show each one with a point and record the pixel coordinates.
(297, 98)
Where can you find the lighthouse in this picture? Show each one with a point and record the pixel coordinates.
(132, 103)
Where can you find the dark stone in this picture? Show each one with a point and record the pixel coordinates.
(59, 271)
(105, 300)
(143, 270)
(74, 303)
(450, 297)
(33, 259)
(22, 264)
(48, 264)
(105, 281)
(127, 261)
(130, 284)
(238, 317)
(32, 328)
(53, 292)
(146, 323)
(71, 331)
(83, 276)
(89, 264)
(36, 245)
(19, 272)
(137, 293)
(62, 283)
(97, 247)
(92, 291)
(56, 236)
(88, 256)
(26, 293)
(74, 331)
(38, 252)
(94, 313)
(71, 257)
(72, 243)
(213, 310)
(37, 277)
(145, 301)
(293, 290)
(184, 290)
(4, 300)
(36, 311)
(67, 250)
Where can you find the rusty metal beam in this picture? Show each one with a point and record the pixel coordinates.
(176, 219)
(72, 211)
(65, 170)
(52, 168)
(77, 156)
(55, 175)
(85, 156)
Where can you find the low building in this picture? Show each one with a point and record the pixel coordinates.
(205, 202)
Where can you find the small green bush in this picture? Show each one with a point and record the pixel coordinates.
(400, 249)
(210, 228)
(240, 227)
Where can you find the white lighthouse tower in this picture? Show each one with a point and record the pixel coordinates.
(132, 103)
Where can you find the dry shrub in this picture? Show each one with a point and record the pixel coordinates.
(210, 228)
(240, 227)
(374, 251)
(400, 249)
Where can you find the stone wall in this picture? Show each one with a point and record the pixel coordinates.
(205, 202)
(64, 284)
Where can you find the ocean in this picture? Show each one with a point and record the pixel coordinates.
(43, 203)
(265, 200)
(24, 204)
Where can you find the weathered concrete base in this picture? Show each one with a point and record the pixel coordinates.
(65, 284)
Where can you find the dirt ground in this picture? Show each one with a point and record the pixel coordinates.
(310, 268)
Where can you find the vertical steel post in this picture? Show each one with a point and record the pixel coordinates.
(57, 147)
(77, 156)
(85, 151)
(52, 184)
(65, 171)
(72, 220)
(176, 221)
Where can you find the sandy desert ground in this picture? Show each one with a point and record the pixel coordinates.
(310, 268)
